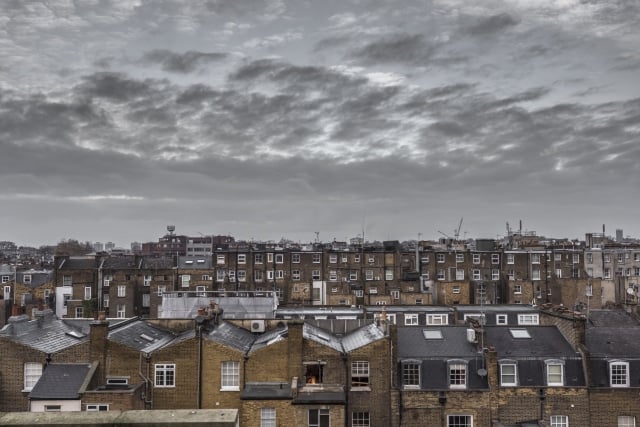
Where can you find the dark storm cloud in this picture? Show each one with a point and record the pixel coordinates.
(186, 62)
(396, 48)
(116, 87)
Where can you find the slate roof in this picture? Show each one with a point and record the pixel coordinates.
(614, 342)
(62, 381)
(361, 337)
(78, 263)
(38, 277)
(617, 318)
(321, 336)
(232, 336)
(123, 262)
(266, 390)
(158, 263)
(195, 263)
(545, 342)
(320, 397)
(46, 334)
(413, 345)
(146, 337)
(269, 337)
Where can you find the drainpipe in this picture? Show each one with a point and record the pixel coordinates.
(345, 360)
(199, 391)
(147, 400)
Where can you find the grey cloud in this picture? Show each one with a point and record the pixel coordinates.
(116, 87)
(493, 24)
(397, 48)
(186, 62)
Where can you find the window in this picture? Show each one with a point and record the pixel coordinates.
(440, 274)
(26, 278)
(220, 273)
(67, 281)
(333, 275)
(230, 376)
(535, 258)
(476, 274)
(79, 313)
(559, 421)
(555, 375)
(333, 258)
(267, 417)
(319, 418)
(120, 311)
(258, 275)
(517, 289)
(456, 289)
(410, 319)
(388, 275)
(270, 275)
(457, 375)
(279, 274)
(161, 289)
(5, 279)
(315, 258)
(313, 373)
(356, 258)
(528, 319)
(501, 319)
(220, 259)
(476, 258)
(372, 259)
(97, 407)
(626, 421)
(576, 258)
(607, 273)
(411, 375)
(459, 420)
(165, 375)
(368, 275)
(358, 292)
(440, 258)
(360, 373)
(508, 374)
(105, 300)
(147, 280)
(495, 274)
(122, 290)
(315, 274)
(242, 276)
(279, 259)
(295, 274)
(32, 373)
(334, 290)
(495, 258)
(242, 258)
(437, 319)
(373, 290)
(535, 274)
(87, 292)
(295, 258)
(259, 258)
(619, 374)
(395, 294)
(459, 257)
(344, 258)
(52, 408)
(511, 259)
(425, 259)
(360, 419)
(186, 279)
(146, 299)
(353, 275)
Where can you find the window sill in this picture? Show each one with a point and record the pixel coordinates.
(230, 389)
(360, 388)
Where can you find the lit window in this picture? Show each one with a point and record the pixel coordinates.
(230, 375)
(165, 375)
(508, 374)
(267, 417)
(32, 373)
(619, 374)
(559, 421)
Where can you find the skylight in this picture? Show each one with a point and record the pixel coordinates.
(519, 333)
(432, 334)
(147, 337)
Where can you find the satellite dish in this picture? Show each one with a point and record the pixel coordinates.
(630, 291)
(482, 372)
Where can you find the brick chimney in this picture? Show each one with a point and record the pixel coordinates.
(98, 343)
(295, 341)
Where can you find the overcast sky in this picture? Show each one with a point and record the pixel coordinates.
(271, 119)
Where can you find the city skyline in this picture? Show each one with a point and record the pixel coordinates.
(280, 119)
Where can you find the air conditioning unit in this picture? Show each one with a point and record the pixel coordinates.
(257, 326)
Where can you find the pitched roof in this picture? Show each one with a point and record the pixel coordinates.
(232, 336)
(146, 337)
(46, 333)
(412, 343)
(612, 342)
(617, 318)
(545, 342)
(78, 263)
(62, 381)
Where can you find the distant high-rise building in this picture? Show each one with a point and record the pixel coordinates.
(109, 246)
(136, 247)
(98, 247)
(619, 236)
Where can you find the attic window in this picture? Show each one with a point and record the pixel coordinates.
(519, 333)
(118, 381)
(147, 337)
(188, 262)
(432, 334)
(76, 334)
(200, 261)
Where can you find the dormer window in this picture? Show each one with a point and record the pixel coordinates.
(619, 374)
(555, 372)
(508, 373)
(458, 374)
(411, 375)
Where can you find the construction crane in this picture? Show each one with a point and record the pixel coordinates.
(457, 232)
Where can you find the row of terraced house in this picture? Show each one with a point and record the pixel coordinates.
(456, 366)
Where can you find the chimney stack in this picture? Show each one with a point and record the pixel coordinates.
(98, 343)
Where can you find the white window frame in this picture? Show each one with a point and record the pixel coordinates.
(295, 275)
(241, 275)
(508, 379)
(511, 259)
(475, 274)
(26, 279)
(147, 279)
(455, 289)
(333, 258)
(121, 311)
(96, 407)
(230, 375)
(67, 280)
(615, 379)
(453, 420)
(105, 300)
(495, 258)
(220, 259)
(360, 374)
(267, 417)
(368, 275)
(411, 319)
(87, 293)
(295, 258)
(258, 275)
(495, 274)
(315, 274)
(626, 421)
(551, 367)
(333, 276)
(528, 319)
(279, 274)
(411, 370)
(122, 291)
(164, 375)
(395, 294)
(279, 258)
(559, 421)
(457, 380)
(322, 414)
(502, 319)
(315, 258)
(32, 371)
(437, 319)
(241, 259)
(360, 419)
(388, 275)
(185, 280)
(220, 274)
(459, 257)
(440, 258)
(353, 275)
(258, 258)
(79, 314)
(476, 259)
